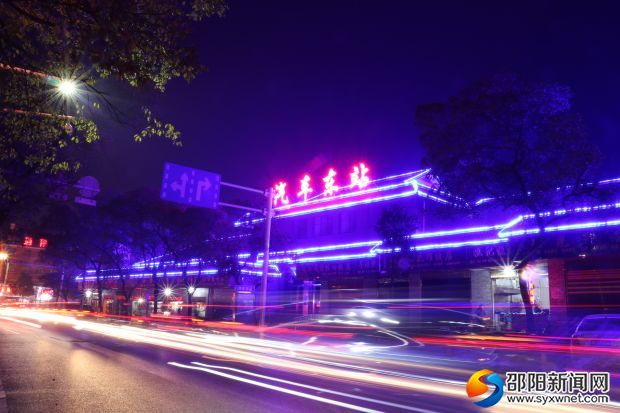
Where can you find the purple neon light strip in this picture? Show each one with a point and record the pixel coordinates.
(174, 274)
(490, 241)
(458, 244)
(503, 235)
(457, 231)
(336, 257)
(418, 248)
(567, 227)
(348, 204)
(322, 200)
(361, 202)
(298, 251)
(560, 212)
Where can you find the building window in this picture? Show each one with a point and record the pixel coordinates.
(347, 223)
(301, 228)
(325, 225)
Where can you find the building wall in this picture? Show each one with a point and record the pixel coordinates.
(24, 261)
(344, 225)
(481, 287)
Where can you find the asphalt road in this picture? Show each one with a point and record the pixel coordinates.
(55, 370)
(59, 369)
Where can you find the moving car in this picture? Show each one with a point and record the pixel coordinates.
(385, 331)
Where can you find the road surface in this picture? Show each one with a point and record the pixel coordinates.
(47, 367)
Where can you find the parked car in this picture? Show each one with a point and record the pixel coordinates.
(599, 330)
(595, 343)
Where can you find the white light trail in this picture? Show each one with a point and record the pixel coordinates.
(277, 388)
(275, 354)
(321, 389)
(21, 322)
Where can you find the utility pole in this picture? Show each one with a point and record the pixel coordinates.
(268, 216)
(268, 212)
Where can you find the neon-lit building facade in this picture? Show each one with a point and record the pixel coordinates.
(334, 255)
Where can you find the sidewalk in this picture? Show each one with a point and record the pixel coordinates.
(3, 406)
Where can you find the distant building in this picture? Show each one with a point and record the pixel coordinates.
(24, 259)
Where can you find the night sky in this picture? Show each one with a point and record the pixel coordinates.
(300, 85)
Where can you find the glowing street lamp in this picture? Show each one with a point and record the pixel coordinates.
(191, 289)
(88, 293)
(67, 88)
(167, 291)
(509, 271)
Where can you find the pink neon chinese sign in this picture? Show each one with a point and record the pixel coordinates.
(359, 180)
(359, 177)
(305, 188)
(330, 183)
(280, 194)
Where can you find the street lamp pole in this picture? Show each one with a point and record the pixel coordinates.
(6, 271)
(4, 257)
(269, 213)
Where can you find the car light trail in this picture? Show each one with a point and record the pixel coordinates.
(229, 348)
(20, 322)
(278, 355)
(520, 346)
(320, 389)
(277, 388)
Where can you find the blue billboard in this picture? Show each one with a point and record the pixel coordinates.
(189, 186)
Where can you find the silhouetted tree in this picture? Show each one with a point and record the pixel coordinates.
(137, 43)
(86, 237)
(517, 142)
(24, 285)
(155, 232)
(396, 226)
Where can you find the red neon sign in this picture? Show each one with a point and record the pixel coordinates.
(42, 243)
(27, 241)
